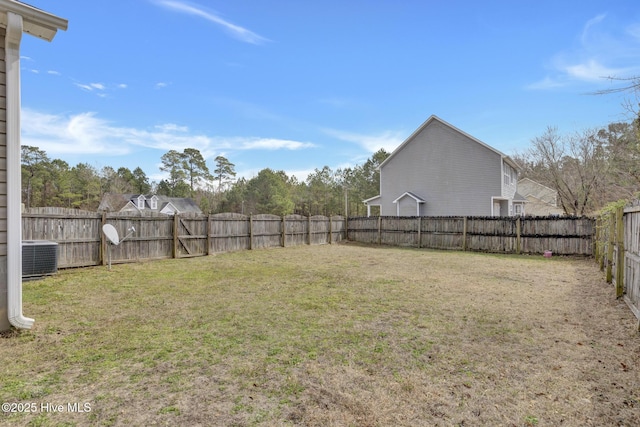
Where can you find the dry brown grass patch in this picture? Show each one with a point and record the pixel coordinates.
(328, 335)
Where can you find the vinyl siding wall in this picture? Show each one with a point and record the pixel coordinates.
(509, 188)
(454, 174)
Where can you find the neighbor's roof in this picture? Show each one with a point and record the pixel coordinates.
(35, 21)
(370, 199)
(433, 118)
(113, 202)
(517, 197)
(412, 195)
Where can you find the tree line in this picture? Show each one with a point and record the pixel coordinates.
(53, 182)
(588, 169)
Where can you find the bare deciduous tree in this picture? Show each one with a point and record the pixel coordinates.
(575, 165)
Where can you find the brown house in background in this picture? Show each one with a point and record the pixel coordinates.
(541, 200)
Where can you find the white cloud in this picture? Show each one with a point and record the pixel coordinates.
(604, 51)
(586, 30)
(546, 83)
(236, 31)
(300, 174)
(171, 127)
(161, 85)
(591, 70)
(268, 144)
(78, 134)
(90, 87)
(86, 133)
(53, 73)
(389, 140)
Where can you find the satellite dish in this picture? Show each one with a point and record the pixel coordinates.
(111, 233)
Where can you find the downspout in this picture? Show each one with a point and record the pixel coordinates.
(14, 214)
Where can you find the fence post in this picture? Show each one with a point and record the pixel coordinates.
(379, 229)
(346, 227)
(419, 232)
(309, 229)
(596, 242)
(175, 235)
(284, 232)
(330, 230)
(103, 242)
(464, 233)
(620, 244)
(208, 234)
(250, 231)
(612, 230)
(518, 242)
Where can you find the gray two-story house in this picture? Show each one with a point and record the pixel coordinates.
(442, 171)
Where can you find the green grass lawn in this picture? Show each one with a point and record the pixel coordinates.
(324, 335)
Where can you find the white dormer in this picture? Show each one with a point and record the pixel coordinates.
(154, 202)
(141, 200)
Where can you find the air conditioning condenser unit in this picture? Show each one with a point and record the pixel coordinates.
(39, 258)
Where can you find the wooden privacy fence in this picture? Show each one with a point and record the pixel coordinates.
(618, 253)
(518, 235)
(81, 241)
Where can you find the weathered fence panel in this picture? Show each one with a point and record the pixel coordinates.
(399, 231)
(533, 235)
(617, 251)
(192, 235)
(629, 231)
(319, 230)
(78, 236)
(363, 229)
(267, 231)
(337, 229)
(296, 230)
(82, 243)
(229, 232)
(152, 238)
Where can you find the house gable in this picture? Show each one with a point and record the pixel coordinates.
(169, 209)
(457, 173)
(408, 204)
(435, 118)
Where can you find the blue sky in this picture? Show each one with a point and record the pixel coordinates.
(297, 85)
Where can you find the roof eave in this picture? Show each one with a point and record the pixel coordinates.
(36, 22)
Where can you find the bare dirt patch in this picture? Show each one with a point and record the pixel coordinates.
(328, 335)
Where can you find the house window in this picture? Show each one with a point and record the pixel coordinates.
(154, 202)
(141, 200)
(510, 175)
(518, 209)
